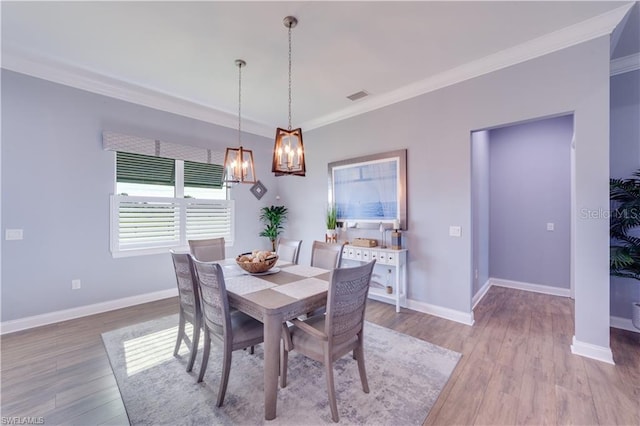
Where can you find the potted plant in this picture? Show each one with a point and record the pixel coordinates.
(624, 258)
(332, 223)
(273, 218)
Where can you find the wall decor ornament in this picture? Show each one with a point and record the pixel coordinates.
(371, 190)
(258, 190)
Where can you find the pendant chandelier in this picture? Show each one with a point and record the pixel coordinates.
(238, 162)
(288, 151)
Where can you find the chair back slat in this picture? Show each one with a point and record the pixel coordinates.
(187, 284)
(209, 250)
(288, 250)
(326, 255)
(346, 302)
(213, 294)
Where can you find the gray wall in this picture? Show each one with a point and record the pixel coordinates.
(625, 160)
(480, 192)
(436, 129)
(56, 182)
(530, 175)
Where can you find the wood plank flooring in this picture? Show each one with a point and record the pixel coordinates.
(516, 368)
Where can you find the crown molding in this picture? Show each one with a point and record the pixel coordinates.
(590, 29)
(625, 64)
(52, 70)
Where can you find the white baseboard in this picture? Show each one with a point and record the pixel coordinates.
(599, 353)
(481, 293)
(82, 311)
(536, 288)
(623, 323)
(465, 318)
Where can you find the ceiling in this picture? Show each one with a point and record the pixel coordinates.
(179, 56)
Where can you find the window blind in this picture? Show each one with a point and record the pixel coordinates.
(201, 175)
(138, 168)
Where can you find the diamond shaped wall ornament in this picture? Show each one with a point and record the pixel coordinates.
(258, 190)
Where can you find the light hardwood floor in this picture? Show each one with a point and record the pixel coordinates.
(516, 366)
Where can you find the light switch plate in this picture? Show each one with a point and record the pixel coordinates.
(13, 234)
(455, 231)
(551, 226)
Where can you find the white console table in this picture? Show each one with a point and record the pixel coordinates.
(390, 269)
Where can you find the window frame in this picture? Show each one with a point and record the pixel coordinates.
(180, 202)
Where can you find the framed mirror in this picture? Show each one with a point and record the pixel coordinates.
(371, 189)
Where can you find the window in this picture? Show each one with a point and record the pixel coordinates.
(160, 203)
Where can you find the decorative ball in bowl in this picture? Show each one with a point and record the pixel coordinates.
(257, 261)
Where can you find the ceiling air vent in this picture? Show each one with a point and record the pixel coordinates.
(358, 95)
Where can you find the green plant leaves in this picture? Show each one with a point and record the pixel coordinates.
(624, 254)
(273, 217)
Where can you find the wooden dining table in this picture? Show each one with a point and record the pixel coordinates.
(285, 292)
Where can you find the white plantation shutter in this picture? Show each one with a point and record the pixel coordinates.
(209, 219)
(144, 225)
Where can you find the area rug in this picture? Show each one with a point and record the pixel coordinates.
(405, 377)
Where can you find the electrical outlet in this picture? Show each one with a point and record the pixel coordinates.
(13, 234)
(551, 226)
(455, 231)
(475, 274)
(76, 284)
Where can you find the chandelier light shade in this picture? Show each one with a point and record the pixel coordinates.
(288, 150)
(288, 153)
(238, 162)
(238, 166)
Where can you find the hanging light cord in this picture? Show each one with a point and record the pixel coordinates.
(239, 101)
(290, 76)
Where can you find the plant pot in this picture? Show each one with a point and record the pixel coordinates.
(635, 314)
(331, 236)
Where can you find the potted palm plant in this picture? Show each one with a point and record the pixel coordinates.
(624, 258)
(273, 218)
(332, 223)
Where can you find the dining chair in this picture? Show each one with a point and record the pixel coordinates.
(190, 309)
(326, 338)
(326, 255)
(208, 250)
(232, 329)
(288, 250)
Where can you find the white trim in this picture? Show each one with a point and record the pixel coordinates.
(599, 353)
(439, 311)
(53, 70)
(536, 288)
(625, 64)
(83, 311)
(623, 324)
(480, 294)
(590, 29)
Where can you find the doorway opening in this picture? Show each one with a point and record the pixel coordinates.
(522, 202)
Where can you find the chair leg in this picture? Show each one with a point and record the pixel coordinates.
(284, 361)
(361, 369)
(180, 334)
(251, 350)
(331, 390)
(205, 355)
(224, 379)
(194, 344)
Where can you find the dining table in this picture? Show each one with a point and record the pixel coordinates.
(273, 297)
